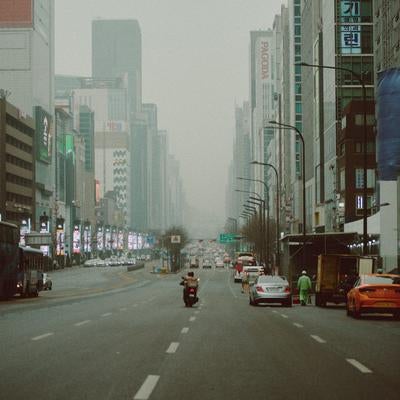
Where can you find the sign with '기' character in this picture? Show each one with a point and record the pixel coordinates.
(350, 29)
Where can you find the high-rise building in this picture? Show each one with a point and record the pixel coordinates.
(386, 34)
(261, 98)
(108, 100)
(387, 82)
(139, 184)
(27, 72)
(17, 159)
(116, 51)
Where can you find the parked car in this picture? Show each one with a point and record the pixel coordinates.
(270, 289)
(47, 282)
(374, 293)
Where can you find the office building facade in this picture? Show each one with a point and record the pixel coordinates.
(17, 172)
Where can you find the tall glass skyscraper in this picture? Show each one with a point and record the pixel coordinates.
(116, 52)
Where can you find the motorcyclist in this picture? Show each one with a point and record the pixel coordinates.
(189, 281)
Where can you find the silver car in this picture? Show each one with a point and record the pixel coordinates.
(270, 289)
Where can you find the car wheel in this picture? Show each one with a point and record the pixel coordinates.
(348, 311)
(251, 302)
(356, 313)
(396, 315)
(288, 303)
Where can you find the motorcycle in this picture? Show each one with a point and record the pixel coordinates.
(189, 294)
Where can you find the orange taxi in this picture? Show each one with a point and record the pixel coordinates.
(374, 293)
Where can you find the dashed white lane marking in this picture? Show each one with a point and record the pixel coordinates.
(284, 316)
(298, 325)
(83, 322)
(123, 309)
(107, 314)
(275, 312)
(318, 339)
(362, 368)
(172, 347)
(197, 312)
(185, 330)
(134, 305)
(147, 387)
(45, 335)
(191, 319)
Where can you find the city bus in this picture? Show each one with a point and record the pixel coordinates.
(30, 271)
(9, 259)
(21, 267)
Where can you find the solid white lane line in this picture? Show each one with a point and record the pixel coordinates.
(45, 335)
(298, 325)
(172, 347)
(191, 319)
(318, 339)
(82, 322)
(147, 388)
(362, 368)
(185, 330)
(284, 316)
(107, 314)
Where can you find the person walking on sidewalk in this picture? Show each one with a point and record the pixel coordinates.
(304, 285)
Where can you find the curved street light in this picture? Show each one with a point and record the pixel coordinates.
(365, 140)
(277, 206)
(291, 127)
(262, 216)
(266, 230)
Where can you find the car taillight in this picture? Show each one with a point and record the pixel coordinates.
(259, 289)
(287, 289)
(366, 290)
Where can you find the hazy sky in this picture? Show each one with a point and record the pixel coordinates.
(195, 56)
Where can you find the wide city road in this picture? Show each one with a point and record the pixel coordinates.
(109, 334)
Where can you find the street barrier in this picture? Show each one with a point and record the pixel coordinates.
(135, 267)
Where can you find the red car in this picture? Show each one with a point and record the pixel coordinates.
(375, 293)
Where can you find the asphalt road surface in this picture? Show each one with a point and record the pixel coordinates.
(109, 334)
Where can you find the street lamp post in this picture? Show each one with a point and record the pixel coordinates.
(260, 204)
(277, 207)
(286, 126)
(365, 141)
(267, 219)
(262, 216)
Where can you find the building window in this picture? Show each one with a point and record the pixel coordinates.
(359, 147)
(360, 178)
(359, 120)
(298, 108)
(360, 204)
(342, 179)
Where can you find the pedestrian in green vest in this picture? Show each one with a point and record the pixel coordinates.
(304, 285)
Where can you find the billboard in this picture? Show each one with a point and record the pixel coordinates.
(43, 135)
(76, 240)
(16, 13)
(100, 238)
